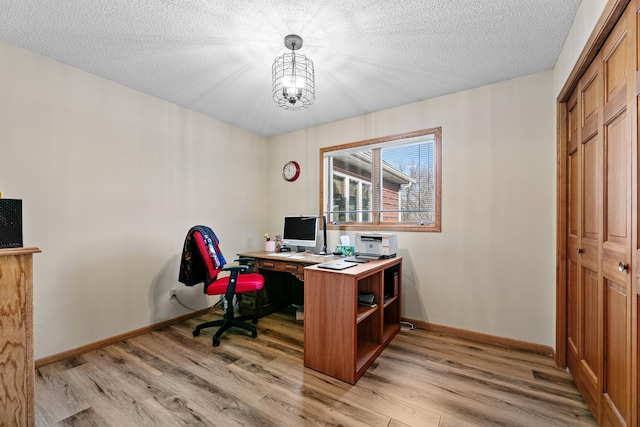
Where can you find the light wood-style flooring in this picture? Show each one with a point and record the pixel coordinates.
(170, 378)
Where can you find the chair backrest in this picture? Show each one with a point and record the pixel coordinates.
(210, 269)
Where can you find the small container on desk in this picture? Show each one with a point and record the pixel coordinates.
(345, 250)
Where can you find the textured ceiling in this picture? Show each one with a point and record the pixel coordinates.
(215, 56)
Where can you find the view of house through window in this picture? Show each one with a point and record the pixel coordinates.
(385, 183)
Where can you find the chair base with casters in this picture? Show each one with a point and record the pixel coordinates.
(228, 321)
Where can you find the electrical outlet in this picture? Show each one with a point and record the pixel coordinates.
(172, 294)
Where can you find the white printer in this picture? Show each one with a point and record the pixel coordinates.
(376, 245)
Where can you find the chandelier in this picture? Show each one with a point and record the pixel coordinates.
(292, 77)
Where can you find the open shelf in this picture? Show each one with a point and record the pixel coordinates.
(364, 312)
(391, 300)
(366, 350)
(389, 331)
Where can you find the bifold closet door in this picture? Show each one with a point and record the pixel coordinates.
(601, 117)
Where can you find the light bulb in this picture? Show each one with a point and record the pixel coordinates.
(292, 89)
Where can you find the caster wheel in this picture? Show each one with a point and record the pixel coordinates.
(254, 334)
(254, 320)
(216, 341)
(196, 332)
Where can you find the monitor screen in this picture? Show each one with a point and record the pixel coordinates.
(300, 231)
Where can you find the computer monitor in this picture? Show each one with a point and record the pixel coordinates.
(300, 231)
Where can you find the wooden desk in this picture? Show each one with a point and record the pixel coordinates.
(16, 337)
(284, 273)
(342, 338)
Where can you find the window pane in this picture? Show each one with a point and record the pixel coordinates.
(339, 204)
(408, 183)
(366, 202)
(356, 164)
(387, 183)
(349, 171)
(354, 196)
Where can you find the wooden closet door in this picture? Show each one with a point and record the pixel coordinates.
(600, 208)
(619, 74)
(589, 279)
(599, 217)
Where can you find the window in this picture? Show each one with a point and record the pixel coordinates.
(388, 183)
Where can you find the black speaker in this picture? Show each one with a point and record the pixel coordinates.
(10, 223)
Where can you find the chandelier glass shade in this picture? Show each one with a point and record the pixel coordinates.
(292, 77)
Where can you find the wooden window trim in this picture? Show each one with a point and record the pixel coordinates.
(434, 227)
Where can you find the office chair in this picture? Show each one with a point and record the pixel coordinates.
(202, 261)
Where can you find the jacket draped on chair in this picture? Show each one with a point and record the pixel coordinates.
(192, 269)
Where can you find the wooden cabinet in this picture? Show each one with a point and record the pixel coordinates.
(342, 338)
(16, 337)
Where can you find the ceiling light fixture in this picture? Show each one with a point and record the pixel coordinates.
(292, 77)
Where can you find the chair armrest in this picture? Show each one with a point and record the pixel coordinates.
(244, 260)
(233, 268)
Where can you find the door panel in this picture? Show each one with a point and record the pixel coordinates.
(591, 197)
(573, 313)
(617, 188)
(617, 233)
(618, 68)
(617, 373)
(573, 196)
(590, 307)
(591, 99)
(615, 67)
(573, 310)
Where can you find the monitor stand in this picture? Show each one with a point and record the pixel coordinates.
(324, 237)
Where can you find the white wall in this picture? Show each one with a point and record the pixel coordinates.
(111, 180)
(492, 268)
(583, 24)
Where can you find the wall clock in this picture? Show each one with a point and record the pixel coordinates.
(291, 171)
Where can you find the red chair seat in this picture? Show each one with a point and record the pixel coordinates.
(245, 283)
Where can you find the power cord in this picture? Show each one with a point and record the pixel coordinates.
(407, 326)
(175, 298)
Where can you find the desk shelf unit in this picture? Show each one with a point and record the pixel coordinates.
(283, 282)
(342, 338)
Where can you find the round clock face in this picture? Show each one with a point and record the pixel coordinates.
(291, 171)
